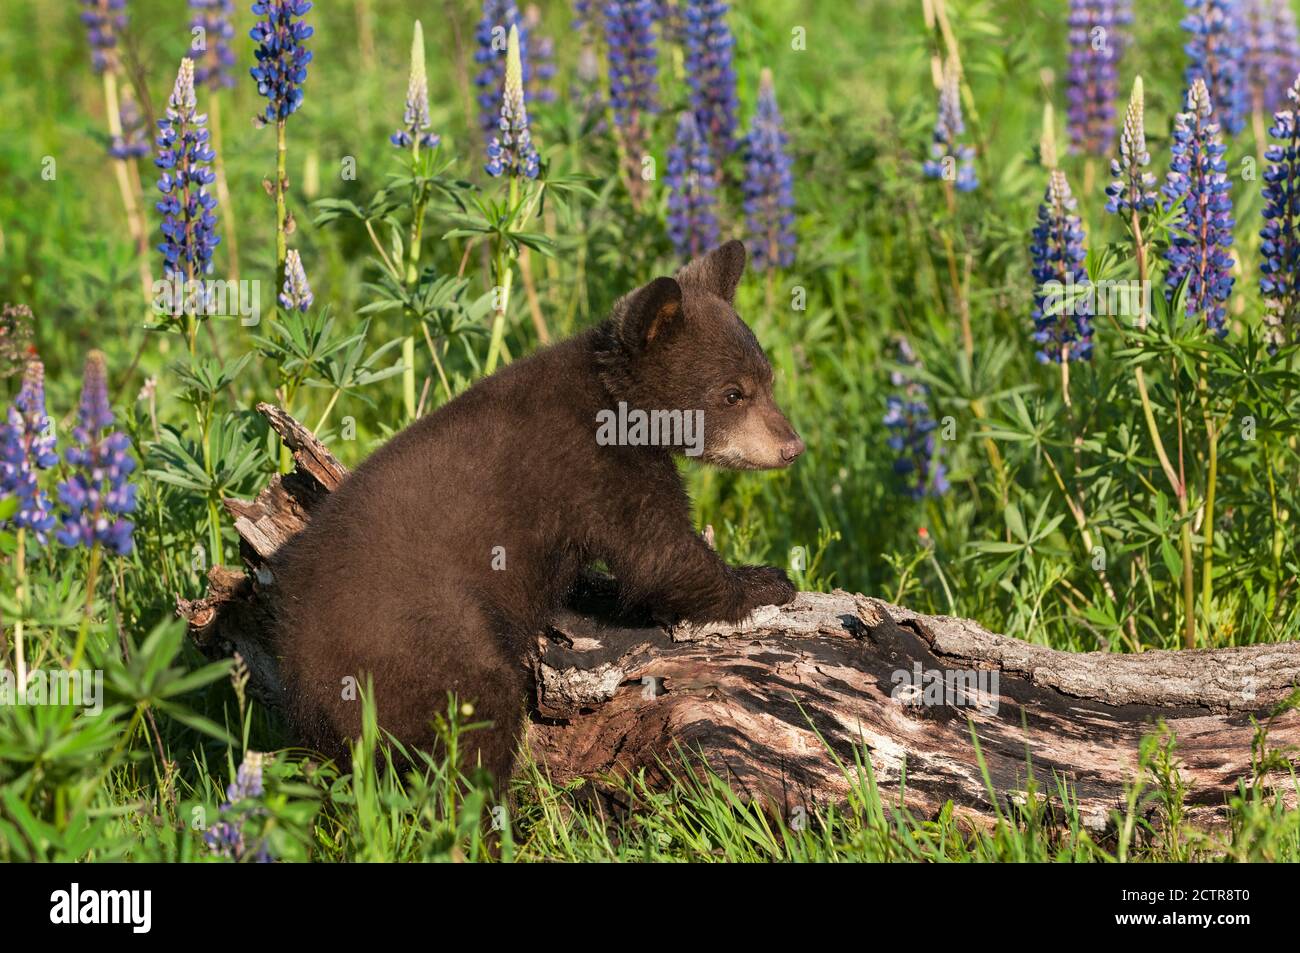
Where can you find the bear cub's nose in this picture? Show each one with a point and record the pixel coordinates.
(791, 449)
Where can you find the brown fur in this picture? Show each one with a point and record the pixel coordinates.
(393, 578)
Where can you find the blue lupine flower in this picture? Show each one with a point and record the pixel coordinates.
(189, 226)
(1095, 45)
(282, 57)
(212, 67)
(1198, 177)
(540, 51)
(1133, 187)
(98, 493)
(672, 20)
(768, 184)
(912, 432)
(1217, 55)
(296, 292)
(949, 159)
(133, 143)
(1062, 303)
(692, 221)
(511, 151)
(499, 18)
(105, 20)
(710, 75)
(415, 121)
(1271, 51)
(228, 838)
(581, 14)
(633, 70)
(1280, 281)
(26, 446)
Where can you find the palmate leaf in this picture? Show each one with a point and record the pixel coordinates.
(179, 460)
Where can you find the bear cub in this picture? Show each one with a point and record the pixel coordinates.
(438, 561)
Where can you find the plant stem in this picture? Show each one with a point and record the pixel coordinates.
(92, 575)
(20, 573)
(502, 276)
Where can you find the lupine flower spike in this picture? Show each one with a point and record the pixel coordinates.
(912, 431)
(228, 838)
(282, 55)
(710, 74)
(1062, 310)
(769, 185)
(692, 221)
(296, 294)
(1095, 46)
(27, 446)
(133, 141)
(214, 57)
(1280, 281)
(415, 121)
(189, 226)
(1133, 188)
(540, 51)
(104, 20)
(492, 34)
(949, 159)
(511, 152)
(98, 494)
(1198, 177)
(1217, 51)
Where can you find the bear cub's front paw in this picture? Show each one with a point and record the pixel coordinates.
(766, 586)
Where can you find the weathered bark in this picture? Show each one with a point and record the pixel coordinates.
(784, 704)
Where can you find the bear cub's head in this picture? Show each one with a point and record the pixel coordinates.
(677, 344)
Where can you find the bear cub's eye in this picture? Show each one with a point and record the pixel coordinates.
(734, 396)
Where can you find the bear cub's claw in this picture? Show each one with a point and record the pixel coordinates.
(766, 586)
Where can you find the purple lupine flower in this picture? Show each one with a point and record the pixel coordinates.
(1280, 278)
(581, 14)
(1198, 252)
(1286, 55)
(296, 292)
(214, 57)
(912, 430)
(1132, 188)
(26, 446)
(1095, 45)
(672, 20)
(133, 143)
(540, 51)
(710, 75)
(189, 225)
(98, 492)
(949, 159)
(633, 66)
(105, 20)
(1217, 53)
(228, 838)
(493, 32)
(282, 56)
(415, 121)
(511, 151)
(768, 184)
(1062, 310)
(692, 222)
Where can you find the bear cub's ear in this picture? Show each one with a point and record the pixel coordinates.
(653, 312)
(717, 273)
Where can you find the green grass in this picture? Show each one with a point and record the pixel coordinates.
(878, 245)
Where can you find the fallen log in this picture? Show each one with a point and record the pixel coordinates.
(784, 705)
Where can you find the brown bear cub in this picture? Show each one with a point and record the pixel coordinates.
(436, 564)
